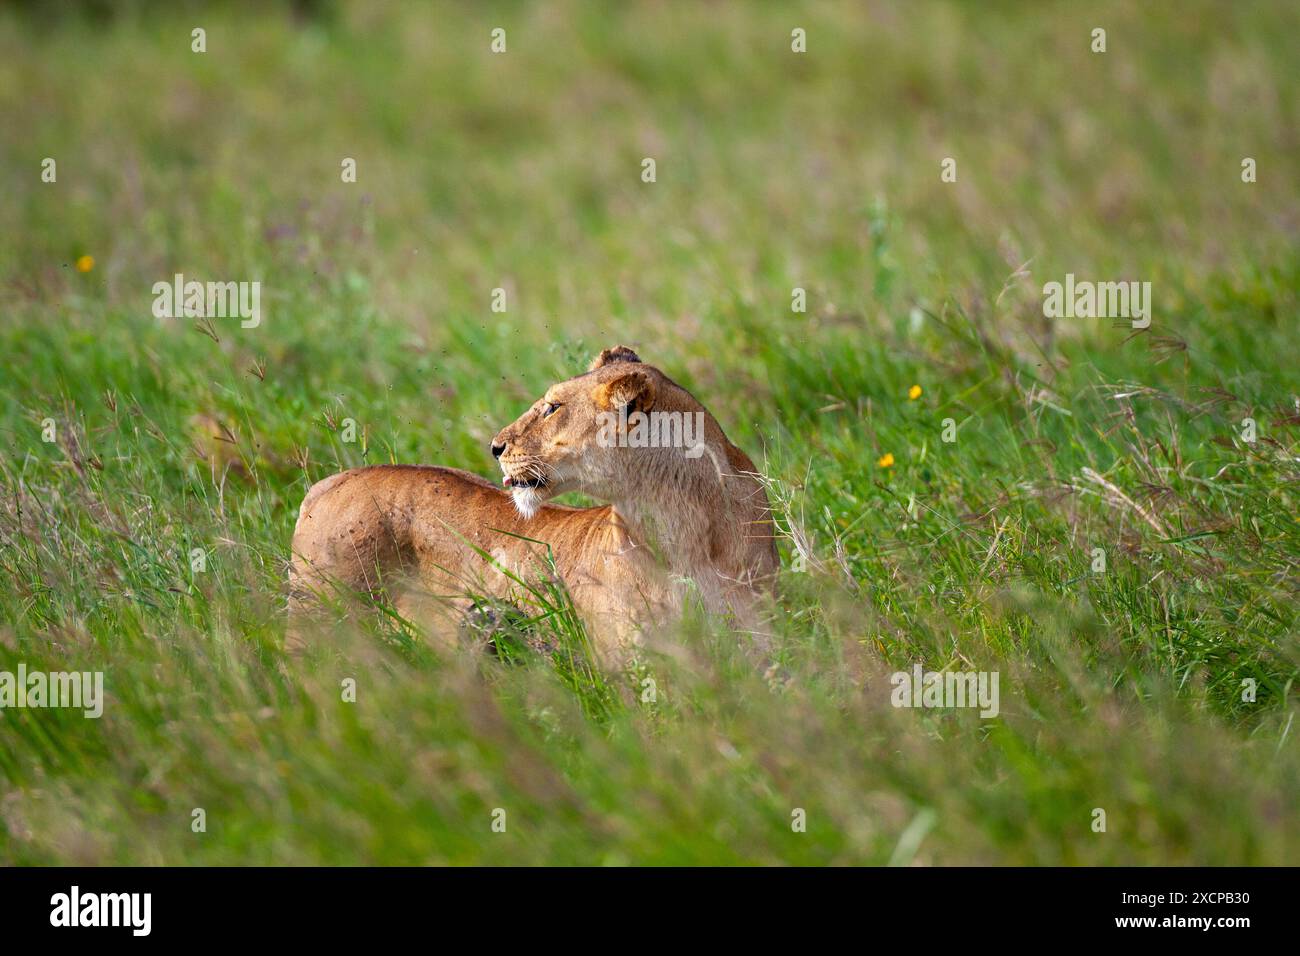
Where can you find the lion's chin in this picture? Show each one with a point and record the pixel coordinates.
(527, 500)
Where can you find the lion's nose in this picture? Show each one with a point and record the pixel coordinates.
(498, 449)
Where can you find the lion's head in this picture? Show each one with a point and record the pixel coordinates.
(582, 434)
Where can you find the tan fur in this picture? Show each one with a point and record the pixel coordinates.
(671, 517)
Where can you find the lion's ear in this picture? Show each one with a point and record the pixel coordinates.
(619, 353)
(634, 390)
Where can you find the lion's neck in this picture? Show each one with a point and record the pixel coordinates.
(689, 517)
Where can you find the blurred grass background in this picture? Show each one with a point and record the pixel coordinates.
(1120, 690)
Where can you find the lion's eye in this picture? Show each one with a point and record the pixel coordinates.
(549, 409)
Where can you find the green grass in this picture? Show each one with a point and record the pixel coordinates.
(1120, 690)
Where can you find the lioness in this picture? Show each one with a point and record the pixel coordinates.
(686, 512)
